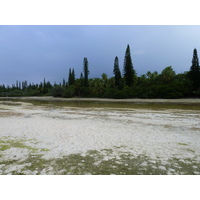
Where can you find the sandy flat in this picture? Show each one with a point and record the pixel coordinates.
(162, 134)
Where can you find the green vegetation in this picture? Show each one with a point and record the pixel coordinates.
(6, 143)
(184, 144)
(167, 84)
(129, 72)
(71, 78)
(104, 162)
(86, 71)
(117, 72)
(194, 73)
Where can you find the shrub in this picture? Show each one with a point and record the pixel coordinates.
(57, 91)
(69, 92)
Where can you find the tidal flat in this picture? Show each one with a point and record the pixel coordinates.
(95, 137)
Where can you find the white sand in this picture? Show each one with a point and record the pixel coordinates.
(157, 134)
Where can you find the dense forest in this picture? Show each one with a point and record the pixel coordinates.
(125, 84)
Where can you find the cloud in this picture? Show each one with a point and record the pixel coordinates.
(49, 51)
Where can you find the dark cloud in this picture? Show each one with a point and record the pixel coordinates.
(34, 52)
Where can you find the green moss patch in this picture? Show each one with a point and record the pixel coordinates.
(104, 162)
(184, 144)
(6, 143)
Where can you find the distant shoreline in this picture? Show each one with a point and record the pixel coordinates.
(137, 100)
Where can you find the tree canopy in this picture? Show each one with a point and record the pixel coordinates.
(194, 73)
(168, 74)
(129, 72)
(117, 72)
(167, 84)
(86, 71)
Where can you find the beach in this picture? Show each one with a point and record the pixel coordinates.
(160, 141)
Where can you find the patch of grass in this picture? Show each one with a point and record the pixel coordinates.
(7, 144)
(104, 162)
(94, 163)
(185, 167)
(184, 144)
(44, 149)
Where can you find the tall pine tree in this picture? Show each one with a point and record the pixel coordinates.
(71, 78)
(194, 73)
(129, 72)
(117, 72)
(86, 71)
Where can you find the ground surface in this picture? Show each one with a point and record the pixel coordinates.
(147, 137)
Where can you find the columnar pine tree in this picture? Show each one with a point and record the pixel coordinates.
(81, 76)
(17, 84)
(71, 78)
(20, 85)
(117, 72)
(129, 72)
(44, 83)
(195, 60)
(82, 79)
(86, 71)
(194, 73)
(64, 82)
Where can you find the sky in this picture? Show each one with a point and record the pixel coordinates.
(35, 52)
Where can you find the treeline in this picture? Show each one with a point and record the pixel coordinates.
(26, 89)
(125, 84)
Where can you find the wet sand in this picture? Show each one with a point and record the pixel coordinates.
(136, 100)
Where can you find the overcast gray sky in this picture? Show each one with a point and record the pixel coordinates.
(36, 52)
